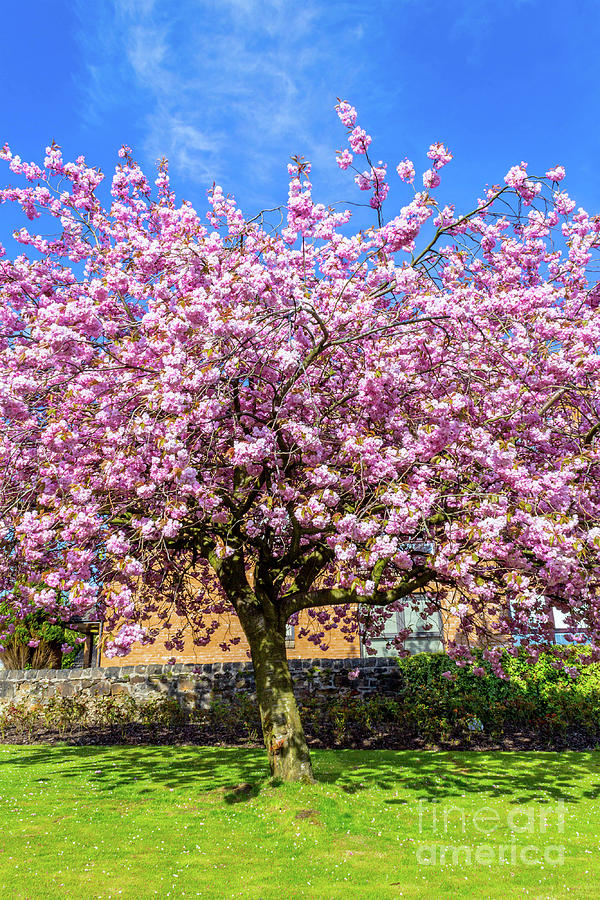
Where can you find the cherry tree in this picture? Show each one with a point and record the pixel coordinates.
(229, 416)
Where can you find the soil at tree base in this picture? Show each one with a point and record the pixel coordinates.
(379, 738)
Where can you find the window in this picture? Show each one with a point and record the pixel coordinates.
(425, 630)
(561, 627)
(290, 635)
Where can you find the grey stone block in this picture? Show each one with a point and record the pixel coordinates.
(350, 663)
(65, 689)
(108, 672)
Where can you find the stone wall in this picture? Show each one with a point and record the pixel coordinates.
(195, 686)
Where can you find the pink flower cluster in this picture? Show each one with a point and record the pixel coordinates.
(375, 181)
(517, 178)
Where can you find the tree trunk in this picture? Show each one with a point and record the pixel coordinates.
(289, 758)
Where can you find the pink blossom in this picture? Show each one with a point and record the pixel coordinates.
(363, 180)
(406, 171)
(516, 176)
(359, 140)
(563, 203)
(440, 155)
(346, 113)
(344, 159)
(431, 179)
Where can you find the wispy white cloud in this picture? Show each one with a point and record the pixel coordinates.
(221, 82)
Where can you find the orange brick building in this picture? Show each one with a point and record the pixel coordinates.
(428, 633)
(298, 648)
(422, 639)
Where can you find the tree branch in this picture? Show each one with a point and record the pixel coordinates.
(336, 596)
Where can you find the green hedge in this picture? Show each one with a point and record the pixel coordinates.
(536, 699)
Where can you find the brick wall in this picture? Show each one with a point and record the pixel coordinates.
(302, 649)
(338, 647)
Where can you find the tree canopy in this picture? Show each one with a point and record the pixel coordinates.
(230, 414)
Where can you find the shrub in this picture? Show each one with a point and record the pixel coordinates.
(37, 643)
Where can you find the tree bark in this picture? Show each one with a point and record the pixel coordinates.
(289, 757)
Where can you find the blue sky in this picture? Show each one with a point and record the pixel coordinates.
(228, 90)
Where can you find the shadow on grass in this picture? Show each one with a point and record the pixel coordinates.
(236, 771)
(434, 775)
(241, 773)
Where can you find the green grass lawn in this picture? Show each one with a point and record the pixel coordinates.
(162, 822)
